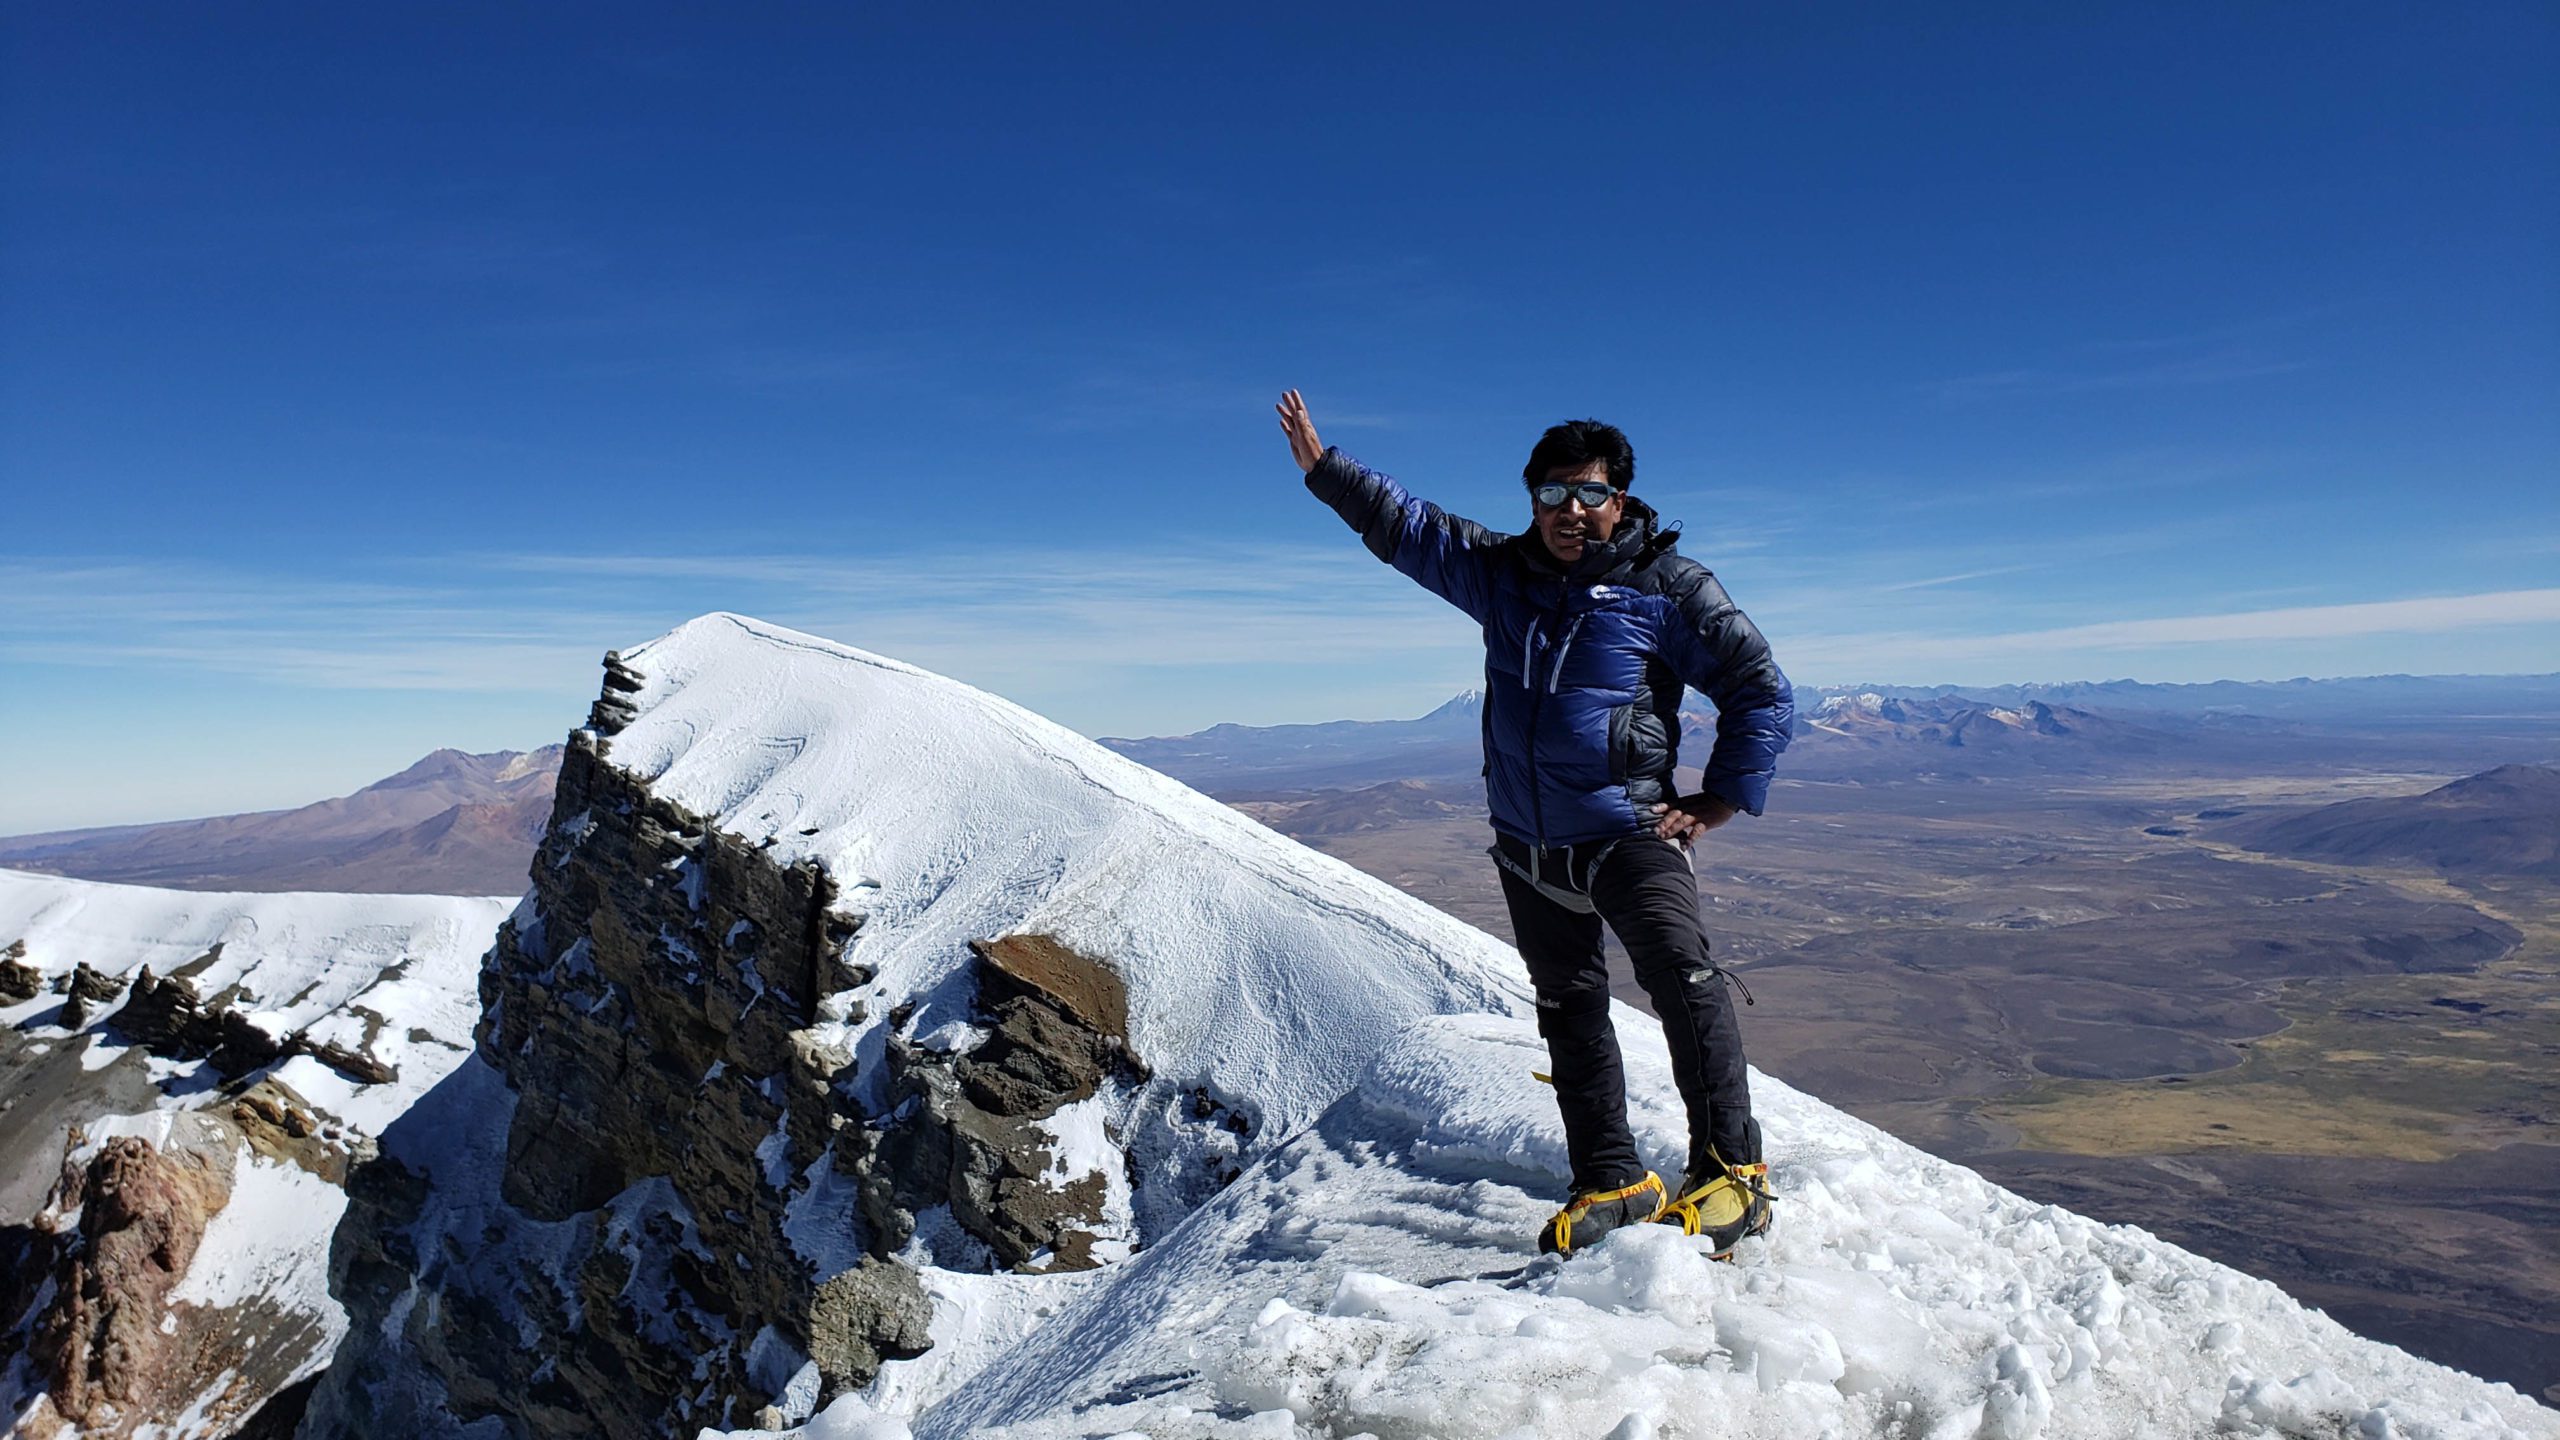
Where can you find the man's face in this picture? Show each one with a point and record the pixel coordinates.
(1569, 527)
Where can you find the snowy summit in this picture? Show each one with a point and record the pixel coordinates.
(1374, 1271)
(1349, 1250)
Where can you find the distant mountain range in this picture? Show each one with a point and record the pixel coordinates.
(2364, 699)
(2502, 822)
(452, 824)
(1245, 758)
(1957, 723)
(464, 824)
(1883, 734)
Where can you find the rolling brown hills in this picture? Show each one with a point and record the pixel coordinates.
(452, 824)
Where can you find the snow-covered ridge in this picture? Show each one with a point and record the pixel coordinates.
(757, 999)
(1257, 968)
(382, 985)
(385, 976)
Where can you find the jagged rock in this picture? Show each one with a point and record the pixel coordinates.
(101, 1341)
(971, 1142)
(93, 986)
(661, 1031)
(648, 1014)
(19, 981)
(354, 1064)
(873, 1312)
(83, 989)
(282, 1125)
(613, 708)
(167, 1018)
(239, 1046)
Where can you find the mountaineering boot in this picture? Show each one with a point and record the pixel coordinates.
(1722, 1201)
(1594, 1213)
(1725, 1204)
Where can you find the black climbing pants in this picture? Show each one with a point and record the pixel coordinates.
(1643, 889)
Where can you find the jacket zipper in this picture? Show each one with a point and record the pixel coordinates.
(1537, 795)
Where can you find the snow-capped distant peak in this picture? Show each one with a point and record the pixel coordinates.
(1865, 703)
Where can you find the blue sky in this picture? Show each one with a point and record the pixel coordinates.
(369, 370)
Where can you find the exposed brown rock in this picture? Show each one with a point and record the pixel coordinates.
(1084, 988)
(100, 1341)
(281, 1125)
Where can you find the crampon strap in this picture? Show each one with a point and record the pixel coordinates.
(1562, 1225)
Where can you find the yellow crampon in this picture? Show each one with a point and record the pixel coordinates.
(1558, 1236)
(1721, 1208)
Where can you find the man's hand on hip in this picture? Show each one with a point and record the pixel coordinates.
(1304, 447)
(1683, 821)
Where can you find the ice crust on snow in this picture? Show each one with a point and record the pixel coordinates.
(1372, 1271)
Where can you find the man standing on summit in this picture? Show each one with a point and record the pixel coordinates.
(1591, 627)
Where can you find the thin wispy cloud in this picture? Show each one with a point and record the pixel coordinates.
(2024, 649)
(2240, 351)
(2308, 622)
(1960, 578)
(1055, 632)
(2056, 380)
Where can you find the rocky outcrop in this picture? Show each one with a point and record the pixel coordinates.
(109, 1348)
(19, 981)
(168, 1017)
(220, 1340)
(645, 1013)
(654, 1256)
(871, 1313)
(83, 988)
(974, 1139)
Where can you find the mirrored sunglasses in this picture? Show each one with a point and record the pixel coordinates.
(1592, 494)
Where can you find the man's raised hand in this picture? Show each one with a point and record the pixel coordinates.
(1304, 447)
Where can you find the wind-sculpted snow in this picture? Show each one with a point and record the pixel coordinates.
(1375, 1276)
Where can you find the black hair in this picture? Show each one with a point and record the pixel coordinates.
(1577, 443)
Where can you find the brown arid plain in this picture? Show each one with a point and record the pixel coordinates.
(2343, 1077)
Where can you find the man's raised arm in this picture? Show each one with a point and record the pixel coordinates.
(1443, 553)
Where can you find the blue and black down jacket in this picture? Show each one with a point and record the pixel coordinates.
(1583, 666)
